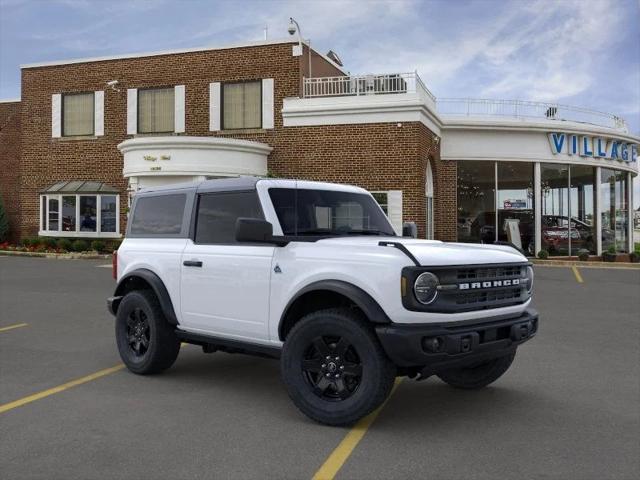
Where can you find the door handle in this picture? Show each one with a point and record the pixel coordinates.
(192, 263)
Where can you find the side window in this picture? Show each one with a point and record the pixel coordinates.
(218, 212)
(159, 215)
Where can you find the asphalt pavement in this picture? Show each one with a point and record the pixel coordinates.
(569, 407)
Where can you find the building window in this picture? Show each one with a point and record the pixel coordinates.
(156, 110)
(77, 209)
(383, 200)
(476, 201)
(241, 105)
(614, 210)
(78, 114)
(516, 204)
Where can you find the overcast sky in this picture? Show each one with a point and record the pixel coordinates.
(583, 52)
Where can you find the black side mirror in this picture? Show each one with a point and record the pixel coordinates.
(256, 230)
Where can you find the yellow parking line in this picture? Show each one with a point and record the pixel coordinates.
(334, 463)
(11, 327)
(577, 274)
(60, 388)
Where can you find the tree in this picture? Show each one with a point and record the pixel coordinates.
(4, 223)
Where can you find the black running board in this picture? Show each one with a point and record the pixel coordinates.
(213, 344)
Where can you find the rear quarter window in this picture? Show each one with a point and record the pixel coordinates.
(158, 215)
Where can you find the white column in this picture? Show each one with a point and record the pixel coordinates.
(537, 202)
(598, 212)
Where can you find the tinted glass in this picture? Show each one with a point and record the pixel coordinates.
(476, 201)
(88, 214)
(69, 214)
(515, 204)
(108, 217)
(160, 215)
(326, 212)
(217, 215)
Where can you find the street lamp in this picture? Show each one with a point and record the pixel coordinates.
(293, 28)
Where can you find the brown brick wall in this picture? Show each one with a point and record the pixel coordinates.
(10, 163)
(374, 156)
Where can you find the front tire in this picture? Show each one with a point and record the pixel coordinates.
(146, 342)
(478, 376)
(334, 368)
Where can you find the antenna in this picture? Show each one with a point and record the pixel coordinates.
(266, 32)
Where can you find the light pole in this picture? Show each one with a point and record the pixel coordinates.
(293, 28)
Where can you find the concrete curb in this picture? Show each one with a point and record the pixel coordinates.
(59, 256)
(577, 263)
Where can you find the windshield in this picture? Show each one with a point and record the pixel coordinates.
(328, 212)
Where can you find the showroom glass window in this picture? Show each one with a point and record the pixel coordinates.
(614, 209)
(476, 201)
(554, 201)
(78, 215)
(156, 110)
(241, 105)
(582, 209)
(515, 204)
(78, 114)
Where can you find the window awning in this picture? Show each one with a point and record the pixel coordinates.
(80, 186)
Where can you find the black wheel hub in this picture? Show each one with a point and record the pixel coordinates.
(138, 335)
(332, 368)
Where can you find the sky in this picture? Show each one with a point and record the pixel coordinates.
(582, 52)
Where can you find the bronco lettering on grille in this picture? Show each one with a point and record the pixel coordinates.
(490, 284)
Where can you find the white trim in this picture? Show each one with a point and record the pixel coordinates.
(214, 107)
(10, 100)
(98, 113)
(56, 115)
(268, 119)
(630, 214)
(598, 212)
(179, 109)
(157, 53)
(132, 111)
(537, 207)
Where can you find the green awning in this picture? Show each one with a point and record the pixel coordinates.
(80, 186)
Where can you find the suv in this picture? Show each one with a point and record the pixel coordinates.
(314, 274)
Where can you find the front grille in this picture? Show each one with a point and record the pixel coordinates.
(511, 294)
(489, 273)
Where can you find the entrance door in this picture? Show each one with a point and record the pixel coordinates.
(224, 284)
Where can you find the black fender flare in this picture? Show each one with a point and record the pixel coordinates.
(156, 284)
(358, 296)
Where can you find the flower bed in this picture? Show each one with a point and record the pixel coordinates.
(44, 245)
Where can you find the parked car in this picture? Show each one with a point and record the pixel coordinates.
(313, 273)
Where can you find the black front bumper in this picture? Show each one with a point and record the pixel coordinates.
(438, 347)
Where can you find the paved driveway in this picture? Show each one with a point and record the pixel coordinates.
(568, 408)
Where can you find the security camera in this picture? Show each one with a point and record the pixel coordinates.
(292, 27)
(112, 83)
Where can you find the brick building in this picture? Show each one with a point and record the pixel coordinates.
(86, 134)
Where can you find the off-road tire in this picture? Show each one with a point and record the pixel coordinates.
(163, 344)
(479, 376)
(377, 372)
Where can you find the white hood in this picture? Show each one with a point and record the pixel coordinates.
(434, 253)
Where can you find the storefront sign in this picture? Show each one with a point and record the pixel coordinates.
(597, 147)
(515, 204)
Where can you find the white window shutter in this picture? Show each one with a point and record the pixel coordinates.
(56, 115)
(179, 96)
(394, 209)
(98, 112)
(214, 106)
(132, 111)
(267, 103)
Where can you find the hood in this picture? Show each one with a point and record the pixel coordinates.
(436, 253)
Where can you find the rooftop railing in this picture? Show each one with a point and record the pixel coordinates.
(473, 107)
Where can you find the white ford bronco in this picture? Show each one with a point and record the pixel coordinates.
(314, 274)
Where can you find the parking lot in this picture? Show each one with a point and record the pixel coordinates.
(568, 408)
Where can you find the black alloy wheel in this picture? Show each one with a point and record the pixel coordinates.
(138, 333)
(332, 367)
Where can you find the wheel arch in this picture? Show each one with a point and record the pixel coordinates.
(144, 279)
(326, 294)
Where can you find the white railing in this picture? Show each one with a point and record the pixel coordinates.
(355, 85)
(524, 109)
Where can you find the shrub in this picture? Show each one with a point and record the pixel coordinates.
(80, 246)
(635, 256)
(583, 255)
(611, 249)
(113, 245)
(48, 242)
(98, 245)
(543, 254)
(4, 223)
(65, 244)
(29, 242)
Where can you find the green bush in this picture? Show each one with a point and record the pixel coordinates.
(113, 245)
(29, 242)
(98, 245)
(583, 255)
(48, 242)
(611, 249)
(543, 254)
(80, 246)
(4, 223)
(65, 244)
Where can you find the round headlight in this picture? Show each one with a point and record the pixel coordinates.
(529, 279)
(426, 288)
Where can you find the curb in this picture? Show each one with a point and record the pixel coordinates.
(577, 263)
(59, 256)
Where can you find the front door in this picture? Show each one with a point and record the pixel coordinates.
(225, 284)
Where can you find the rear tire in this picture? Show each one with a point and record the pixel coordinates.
(146, 342)
(479, 376)
(334, 368)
